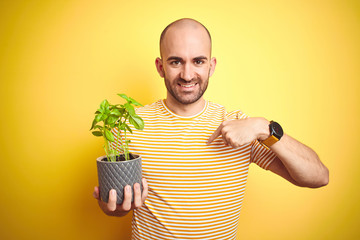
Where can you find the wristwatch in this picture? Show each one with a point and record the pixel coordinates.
(276, 132)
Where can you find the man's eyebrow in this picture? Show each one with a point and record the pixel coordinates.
(174, 58)
(200, 58)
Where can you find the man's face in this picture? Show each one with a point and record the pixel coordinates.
(186, 65)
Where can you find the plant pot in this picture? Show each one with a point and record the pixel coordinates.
(116, 175)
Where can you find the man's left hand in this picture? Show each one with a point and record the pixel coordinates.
(238, 132)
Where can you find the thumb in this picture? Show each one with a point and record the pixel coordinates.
(96, 193)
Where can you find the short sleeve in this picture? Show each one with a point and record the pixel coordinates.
(261, 155)
(238, 114)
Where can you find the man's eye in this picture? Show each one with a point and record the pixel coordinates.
(175, 63)
(199, 62)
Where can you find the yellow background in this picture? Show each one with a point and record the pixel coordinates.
(297, 62)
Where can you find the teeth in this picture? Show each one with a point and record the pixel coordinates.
(188, 86)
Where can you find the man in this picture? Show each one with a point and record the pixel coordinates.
(196, 155)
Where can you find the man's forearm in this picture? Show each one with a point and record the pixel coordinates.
(301, 162)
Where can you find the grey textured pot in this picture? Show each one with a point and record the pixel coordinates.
(116, 175)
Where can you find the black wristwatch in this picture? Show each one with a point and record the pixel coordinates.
(276, 132)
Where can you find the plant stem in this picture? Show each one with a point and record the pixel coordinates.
(126, 147)
(108, 149)
(106, 143)
(119, 140)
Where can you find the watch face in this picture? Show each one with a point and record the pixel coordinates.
(277, 130)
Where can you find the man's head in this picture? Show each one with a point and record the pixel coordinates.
(184, 22)
(186, 63)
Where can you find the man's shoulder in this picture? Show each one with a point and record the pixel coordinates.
(149, 109)
(234, 114)
(149, 106)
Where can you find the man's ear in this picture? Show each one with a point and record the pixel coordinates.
(212, 66)
(159, 67)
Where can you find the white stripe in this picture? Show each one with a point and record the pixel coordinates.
(233, 190)
(193, 180)
(220, 197)
(215, 205)
(221, 166)
(219, 216)
(223, 157)
(212, 171)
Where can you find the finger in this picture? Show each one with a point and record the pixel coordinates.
(215, 135)
(145, 190)
(225, 139)
(233, 144)
(126, 205)
(111, 205)
(96, 193)
(137, 195)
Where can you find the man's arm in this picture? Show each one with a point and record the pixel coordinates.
(295, 162)
(298, 163)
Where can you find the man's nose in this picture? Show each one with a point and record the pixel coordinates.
(187, 72)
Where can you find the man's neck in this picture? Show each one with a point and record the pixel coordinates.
(185, 110)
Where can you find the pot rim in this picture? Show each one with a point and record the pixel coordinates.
(99, 159)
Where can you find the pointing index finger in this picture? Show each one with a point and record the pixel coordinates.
(214, 135)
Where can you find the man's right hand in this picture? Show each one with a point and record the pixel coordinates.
(112, 209)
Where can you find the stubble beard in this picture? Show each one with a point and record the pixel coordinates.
(187, 98)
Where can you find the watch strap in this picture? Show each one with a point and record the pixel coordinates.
(269, 141)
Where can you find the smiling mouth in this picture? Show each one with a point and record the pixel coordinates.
(187, 85)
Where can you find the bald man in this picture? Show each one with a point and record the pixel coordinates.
(196, 155)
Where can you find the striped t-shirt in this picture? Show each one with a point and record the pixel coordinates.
(195, 190)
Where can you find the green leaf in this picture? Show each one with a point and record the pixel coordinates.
(97, 133)
(124, 97)
(104, 117)
(137, 122)
(98, 117)
(128, 128)
(98, 111)
(109, 136)
(104, 104)
(98, 127)
(121, 126)
(119, 110)
(133, 101)
(111, 120)
(122, 111)
(93, 124)
(107, 110)
(130, 109)
(115, 112)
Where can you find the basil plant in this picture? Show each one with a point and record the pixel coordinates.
(108, 117)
